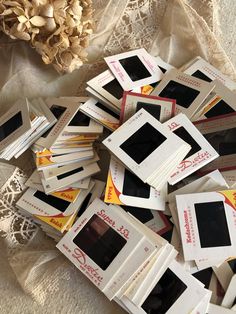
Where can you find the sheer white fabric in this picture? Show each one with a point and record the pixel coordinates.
(177, 30)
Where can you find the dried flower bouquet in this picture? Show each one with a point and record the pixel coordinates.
(58, 30)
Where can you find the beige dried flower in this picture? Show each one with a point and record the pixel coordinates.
(59, 30)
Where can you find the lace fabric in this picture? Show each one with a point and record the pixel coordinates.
(137, 26)
(15, 228)
(177, 30)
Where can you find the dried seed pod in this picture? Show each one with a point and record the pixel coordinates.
(50, 25)
(47, 10)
